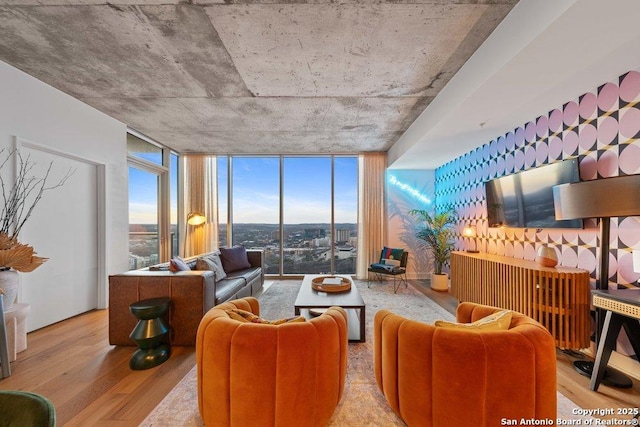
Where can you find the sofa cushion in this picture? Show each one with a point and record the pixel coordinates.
(234, 258)
(178, 264)
(211, 262)
(248, 317)
(498, 321)
(227, 288)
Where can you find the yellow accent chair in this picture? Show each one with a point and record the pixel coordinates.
(448, 376)
(266, 374)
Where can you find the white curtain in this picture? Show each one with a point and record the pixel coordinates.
(200, 195)
(372, 213)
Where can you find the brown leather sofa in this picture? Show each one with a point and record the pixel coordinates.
(255, 374)
(435, 376)
(192, 294)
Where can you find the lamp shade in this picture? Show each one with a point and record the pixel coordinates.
(469, 232)
(599, 198)
(196, 218)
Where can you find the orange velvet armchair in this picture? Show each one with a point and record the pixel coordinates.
(434, 376)
(252, 374)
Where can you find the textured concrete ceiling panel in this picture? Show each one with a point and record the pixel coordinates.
(278, 142)
(251, 76)
(344, 50)
(122, 51)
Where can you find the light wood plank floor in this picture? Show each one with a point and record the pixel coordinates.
(90, 382)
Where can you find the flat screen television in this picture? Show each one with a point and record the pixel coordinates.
(525, 199)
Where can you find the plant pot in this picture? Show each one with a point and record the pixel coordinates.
(9, 282)
(440, 282)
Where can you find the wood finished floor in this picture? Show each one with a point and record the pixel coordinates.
(90, 382)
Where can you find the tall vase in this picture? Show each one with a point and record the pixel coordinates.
(9, 282)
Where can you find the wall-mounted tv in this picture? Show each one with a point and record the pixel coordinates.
(525, 199)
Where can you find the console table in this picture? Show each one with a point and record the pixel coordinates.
(556, 297)
(623, 309)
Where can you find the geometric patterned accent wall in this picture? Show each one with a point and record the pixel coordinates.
(601, 129)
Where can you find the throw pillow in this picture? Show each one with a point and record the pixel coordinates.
(498, 321)
(178, 264)
(248, 317)
(234, 259)
(390, 254)
(211, 262)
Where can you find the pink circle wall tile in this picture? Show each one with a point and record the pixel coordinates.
(630, 86)
(542, 127)
(555, 148)
(501, 145)
(493, 149)
(518, 161)
(529, 156)
(629, 123)
(588, 108)
(518, 250)
(608, 97)
(555, 236)
(570, 143)
(586, 259)
(519, 137)
(608, 162)
(613, 266)
(500, 166)
(510, 142)
(588, 136)
(629, 158)
(607, 130)
(570, 114)
(542, 153)
(508, 248)
(529, 251)
(493, 167)
(555, 121)
(509, 163)
(569, 257)
(626, 275)
(589, 167)
(629, 232)
(530, 132)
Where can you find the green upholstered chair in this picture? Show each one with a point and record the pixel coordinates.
(25, 409)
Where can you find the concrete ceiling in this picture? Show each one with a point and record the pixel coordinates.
(251, 76)
(544, 54)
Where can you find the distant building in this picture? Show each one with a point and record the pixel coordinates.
(343, 235)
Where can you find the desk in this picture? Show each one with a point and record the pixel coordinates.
(622, 309)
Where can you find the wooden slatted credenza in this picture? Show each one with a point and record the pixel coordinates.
(557, 297)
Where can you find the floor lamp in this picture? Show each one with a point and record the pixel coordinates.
(602, 199)
(194, 218)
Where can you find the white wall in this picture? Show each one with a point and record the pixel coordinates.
(36, 112)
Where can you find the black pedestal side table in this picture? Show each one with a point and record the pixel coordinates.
(151, 334)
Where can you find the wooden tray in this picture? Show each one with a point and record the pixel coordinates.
(316, 283)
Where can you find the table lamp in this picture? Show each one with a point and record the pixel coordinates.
(470, 232)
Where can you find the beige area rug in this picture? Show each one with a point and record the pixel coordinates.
(180, 406)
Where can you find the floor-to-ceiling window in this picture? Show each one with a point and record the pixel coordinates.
(153, 202)
(302, 210)
(306, 207)
(255, 206)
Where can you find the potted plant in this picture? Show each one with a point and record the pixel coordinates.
(437, 232)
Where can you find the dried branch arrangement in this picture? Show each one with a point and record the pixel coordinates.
(19, 201)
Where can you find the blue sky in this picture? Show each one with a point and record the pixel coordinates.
(307, 190)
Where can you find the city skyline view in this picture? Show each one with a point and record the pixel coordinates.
(306, 187)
